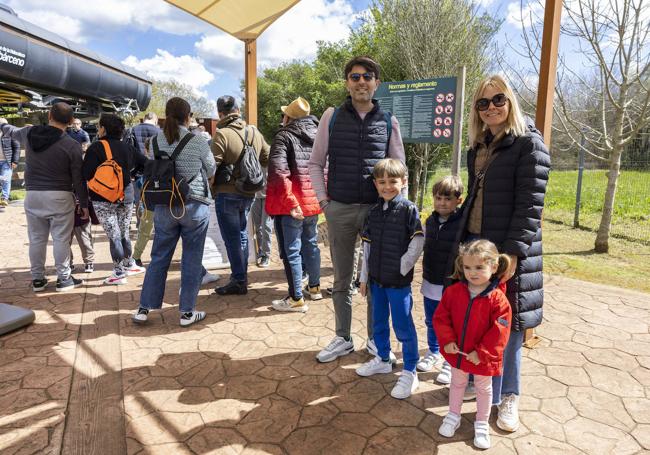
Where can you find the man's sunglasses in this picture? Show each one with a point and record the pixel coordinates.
(499, 100)
(356, 77)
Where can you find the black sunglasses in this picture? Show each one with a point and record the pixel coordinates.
(356, 77)
(499, 100)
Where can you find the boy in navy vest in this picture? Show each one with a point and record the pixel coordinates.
(440, 248)
(393, 241)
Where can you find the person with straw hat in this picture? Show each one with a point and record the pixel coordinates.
(291, 200)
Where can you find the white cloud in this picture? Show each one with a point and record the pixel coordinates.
(293, 36)
(520, 15)
(164, 66)
(69, 27)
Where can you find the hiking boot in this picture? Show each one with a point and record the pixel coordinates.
(338, 347)
(508, 419)
(429, 361)
(192, 317)
(407, 384)
(374, 366)
(68, 284)
(289, 304)
(140, 317)
(233, 288)
(89, 268)
(116, 279)
(313, 292)
(39, 285)
(449, 425)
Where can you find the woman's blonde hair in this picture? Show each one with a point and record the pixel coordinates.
(487, 251)
(515, 123)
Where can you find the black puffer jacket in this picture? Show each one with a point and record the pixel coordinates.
(513, 199)
(441, 248)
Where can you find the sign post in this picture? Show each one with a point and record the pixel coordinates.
(458, 131)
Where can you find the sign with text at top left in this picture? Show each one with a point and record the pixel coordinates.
(426, 109)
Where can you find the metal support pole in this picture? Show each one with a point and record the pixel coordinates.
(581, 167)
(458, 121)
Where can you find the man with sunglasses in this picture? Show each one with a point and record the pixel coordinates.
(352, 138)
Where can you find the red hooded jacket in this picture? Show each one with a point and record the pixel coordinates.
(481, 324)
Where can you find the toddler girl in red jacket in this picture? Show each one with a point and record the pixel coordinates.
(472, 322)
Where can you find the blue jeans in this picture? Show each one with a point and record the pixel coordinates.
(191, 228)
(430, 306)
(232, 213)
(5, 177)
(509, 382)
(298, 245)
(397, 304)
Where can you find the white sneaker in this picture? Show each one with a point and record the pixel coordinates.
(134, 269)
(209, 278)
(337, 348)
(429, 361)
(191, 318)
(116, 279)
(140, 316)
(444, 377)
(374, 366)
(481, 435)
(470, 392)
(450, 424)
(288, 304)
(371, 347)
(508, 419)
(406, 384)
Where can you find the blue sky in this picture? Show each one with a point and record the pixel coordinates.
(165, 43)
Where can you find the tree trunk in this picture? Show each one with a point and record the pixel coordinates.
(602, 237)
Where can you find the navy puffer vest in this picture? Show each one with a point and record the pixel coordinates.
(355, 146)
(389, 239)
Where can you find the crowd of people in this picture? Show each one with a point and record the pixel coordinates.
(482, 249)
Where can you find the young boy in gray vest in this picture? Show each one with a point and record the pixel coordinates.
(393, 241)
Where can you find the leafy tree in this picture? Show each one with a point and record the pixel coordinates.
(162, 91)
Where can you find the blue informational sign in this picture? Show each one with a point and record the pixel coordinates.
(425, 109)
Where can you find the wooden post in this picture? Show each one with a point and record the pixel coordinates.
(458, 127)
(548, 68)
(250, 47)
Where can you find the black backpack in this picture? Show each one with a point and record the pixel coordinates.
(162, 184)
(248, 174)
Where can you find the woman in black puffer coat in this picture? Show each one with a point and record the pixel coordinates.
(505, 207)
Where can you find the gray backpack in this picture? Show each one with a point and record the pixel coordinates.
(248, 174)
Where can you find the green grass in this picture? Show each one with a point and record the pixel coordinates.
(17, 195)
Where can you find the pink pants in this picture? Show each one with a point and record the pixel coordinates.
(483, 387)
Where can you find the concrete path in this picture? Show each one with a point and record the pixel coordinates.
(83, 379)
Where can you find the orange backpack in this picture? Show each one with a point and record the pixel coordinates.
(108, 181)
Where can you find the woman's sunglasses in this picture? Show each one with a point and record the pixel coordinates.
(356, 77)
(499, 100)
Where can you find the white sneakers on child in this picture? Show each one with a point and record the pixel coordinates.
(429, 361)
(374, 366)
(444, 377)
(371, 347)
(449, 425)
(407, 384)
(508, 419)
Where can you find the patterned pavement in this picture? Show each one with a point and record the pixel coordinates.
(84, 379)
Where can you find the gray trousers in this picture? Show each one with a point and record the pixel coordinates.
(85, 240)
(49, 212)
(263, 228)
(344, 224)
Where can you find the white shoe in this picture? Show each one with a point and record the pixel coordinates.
(508, 419)
(444, 377)
(470, 392)
(209, 278)
(191, 318)
(288, 304)
(134, 269)
(374, 366)
(481, 435)
(116, 279)
(450, 424)
(371, 347)
(337, 348)
(429, 361)
(407, 384)
(140, 317)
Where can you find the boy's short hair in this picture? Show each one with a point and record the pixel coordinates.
(389, 167)
(450, 185)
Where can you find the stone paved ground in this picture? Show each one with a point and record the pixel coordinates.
(84, 379)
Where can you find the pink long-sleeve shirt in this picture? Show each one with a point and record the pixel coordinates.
(318, 159)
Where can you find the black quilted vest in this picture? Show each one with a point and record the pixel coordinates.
(355, 146)
(441, 248)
